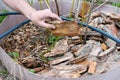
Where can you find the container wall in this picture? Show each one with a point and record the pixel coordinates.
(24, 74)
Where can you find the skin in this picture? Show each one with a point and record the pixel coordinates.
(37, 17)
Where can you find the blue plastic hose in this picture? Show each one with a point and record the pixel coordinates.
(13, 29)
(9, 13)
(63, 18)
(95, 29)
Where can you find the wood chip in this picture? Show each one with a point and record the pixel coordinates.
(66, 29)
(61, 47)
(74, 73)
(75, 48)
(84, 50)
(38, 69)
(96, 51)
(78, 59)
(110, 43)
(113, 16)
(31, 62)
(113, 29)
(107, 51)
(52, 73)
(68, 67)
(85, 63)
(104, 46)
(92, 67)
(61, 59)
(69, 75)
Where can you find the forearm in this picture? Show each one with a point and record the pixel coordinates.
(37, 17)
(20, 6)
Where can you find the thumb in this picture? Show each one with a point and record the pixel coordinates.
(46, 25)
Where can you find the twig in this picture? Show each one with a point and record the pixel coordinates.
(90, 14)
(40, 1)
(77, 9)
(107, 51)
(73, 1)
(100, 6)
(90, 11)
(57, 7)
(36, 49)
(47, 4)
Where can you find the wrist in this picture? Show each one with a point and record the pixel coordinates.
(29, 13)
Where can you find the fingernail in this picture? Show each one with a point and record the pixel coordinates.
(61, 19)
(53, 27)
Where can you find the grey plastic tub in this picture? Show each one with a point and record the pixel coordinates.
(22, 73)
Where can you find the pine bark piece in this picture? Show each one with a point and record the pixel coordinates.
(66, 57)
(73, 73)
(104, 46)
(61, 47)
(38, 69)
(78, 59)
(92, 67)
(68, 67)
(107, 51)
(85, 63)
(66, 29)
(75, 48)
(110, 43)
(113, 29)
(50, 73)
(95, 14)
(69, 75)
(113, 16)
(31, 62)
(96, 51)
(44, 71)
(84, 50)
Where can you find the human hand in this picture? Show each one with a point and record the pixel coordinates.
(38, 18)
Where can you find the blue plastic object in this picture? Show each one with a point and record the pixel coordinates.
(9, 13)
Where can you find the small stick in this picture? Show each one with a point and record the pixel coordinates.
(73, 1)
(77, 10)
(88, 21)
(40, 1)
(57, 7)
(100, 6)
(47, 4)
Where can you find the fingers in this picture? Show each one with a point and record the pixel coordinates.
(52, 15)
(39, 17)
(55, 16)
(43, 24)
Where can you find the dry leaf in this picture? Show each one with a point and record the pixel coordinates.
(85, 9)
